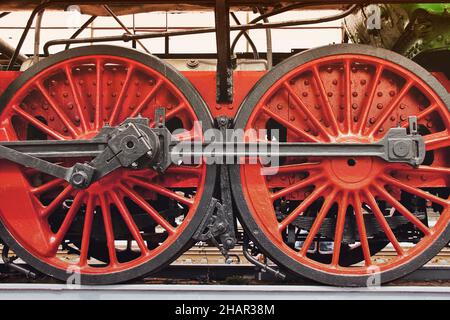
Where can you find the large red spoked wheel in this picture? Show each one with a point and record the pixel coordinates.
(326, 218)
(130, 222)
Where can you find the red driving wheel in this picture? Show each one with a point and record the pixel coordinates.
(130, 222)
(347, 93)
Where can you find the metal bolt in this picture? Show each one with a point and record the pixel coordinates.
(79, 179)
(401, 149)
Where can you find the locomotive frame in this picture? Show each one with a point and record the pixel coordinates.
(360, 142)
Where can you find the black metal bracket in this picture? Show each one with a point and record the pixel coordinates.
(219, 220)
(224, 77)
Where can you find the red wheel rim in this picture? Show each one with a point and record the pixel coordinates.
(349, 98)
(74, 99)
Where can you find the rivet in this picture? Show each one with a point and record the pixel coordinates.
(81, 82)
(330, 94)
(329, 70)
(109, 83)
(70, 106)
(317, 106)
(363, 82)
(355, 94)
(306, 82)
(305, 94)
(53, 82)
(138, 94)
(402, 117)
(429, 125)
(65, 129)
(354, 106)
(65, 94)
(392, 93)
(402, 106)
(77, 119)
(335, 82)
(379, 106)
(372, 120)
(51, 118)
(45, 106)
(380, 94)
(392, 118)
(292, 118)
(279, 106)
(113, 94)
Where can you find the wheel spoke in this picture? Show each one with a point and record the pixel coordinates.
(87, 227)
(135, 232)
(197, 170)
(383, 223)
(401, 209)
(148, 208)
(367, 106)
(67, 222)
(162, 191)
(392, 106)
(327, 105)
(359, 217)
(298, 185)
(300, 104)
(290, 126)
(339, 232)
(57, 109)
(303, 206)
(118, 105)
(348, 97)
(326, 206)
(437, 140)
(38, 124)
(423, 114)
(56, 202)
(98, 96)
(84, 120)
(416, 191)
(110, 238)
(175, 111)
(147, 98)
(51, 185)
(290, 168)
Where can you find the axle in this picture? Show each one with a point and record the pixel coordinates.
(134, 144)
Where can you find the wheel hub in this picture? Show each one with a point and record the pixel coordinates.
(352, 170)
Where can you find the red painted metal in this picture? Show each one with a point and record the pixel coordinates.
(348, 98)
(204, 82)
(73, 100)
(66, 99)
